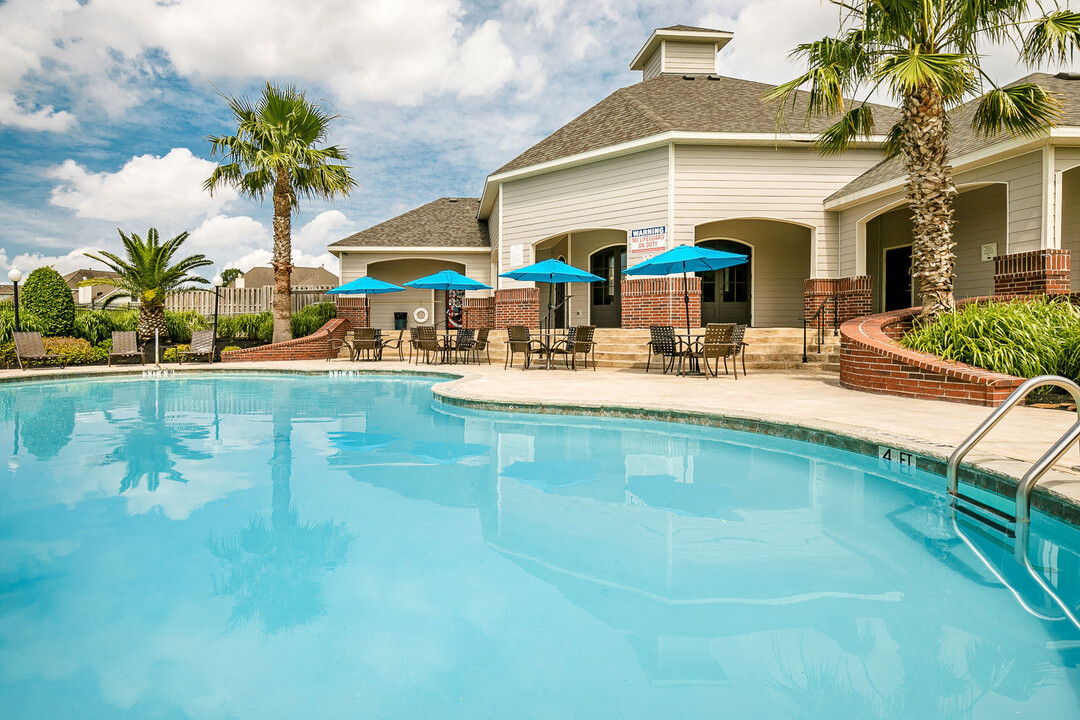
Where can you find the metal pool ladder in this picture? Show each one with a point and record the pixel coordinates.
(1022, 515)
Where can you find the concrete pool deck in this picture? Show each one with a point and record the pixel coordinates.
(806, 399)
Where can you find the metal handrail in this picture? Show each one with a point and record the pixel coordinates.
(819, 318)
(1027, 483)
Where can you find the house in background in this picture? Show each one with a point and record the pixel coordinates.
(302, 277)
(686, 156)
(91, 295)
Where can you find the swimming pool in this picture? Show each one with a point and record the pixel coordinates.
(274, 546)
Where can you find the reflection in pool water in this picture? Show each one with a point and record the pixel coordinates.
(269, 546)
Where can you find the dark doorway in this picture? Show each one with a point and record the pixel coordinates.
(898, 278)
(725, 294)
(607, 294)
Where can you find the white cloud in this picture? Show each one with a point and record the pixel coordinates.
(326, 227)
(146, 188)
(27, 262)
(224, 233)
(43, 118)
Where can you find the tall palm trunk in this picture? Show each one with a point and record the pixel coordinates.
(282, 257)
(151, 318)
(930, 193)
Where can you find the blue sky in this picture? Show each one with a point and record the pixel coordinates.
(105, 105)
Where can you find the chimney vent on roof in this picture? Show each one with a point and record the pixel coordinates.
(452, 199)
(1068, 76)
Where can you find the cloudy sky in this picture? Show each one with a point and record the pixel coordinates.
(105, 105)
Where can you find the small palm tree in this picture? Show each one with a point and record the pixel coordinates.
(148, 275)
(928, 55)
(277, 150)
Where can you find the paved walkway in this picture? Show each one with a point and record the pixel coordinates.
(807, 398)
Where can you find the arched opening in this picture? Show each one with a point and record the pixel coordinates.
(768, 290)
(606, 295)
(980, 231)
(579, 303)
(383, 307)
(725, 294)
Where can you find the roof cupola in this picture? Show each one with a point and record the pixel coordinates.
(680, 50)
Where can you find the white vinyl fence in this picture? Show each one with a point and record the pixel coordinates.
(237, 301)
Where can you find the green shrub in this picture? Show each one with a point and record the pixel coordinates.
(312, 318)
(172, 354)
(74, 351)
(181, 324)
(27, 322)
(93, 326)
(46, 295)
(1020, 337)
(248, 326)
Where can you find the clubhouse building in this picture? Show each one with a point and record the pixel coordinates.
(689, 156)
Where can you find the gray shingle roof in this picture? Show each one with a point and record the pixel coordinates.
(300, 276)
(697, 103)
(446, 222)
(963, 138)
(690, 28)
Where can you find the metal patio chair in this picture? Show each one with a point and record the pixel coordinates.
(427, 342)
(394, 344)
(29, 347)
(518, 340)
(125, 344)
(202, 344)
(663, 342)
(719, 342)
(581, 344)
(740, 347)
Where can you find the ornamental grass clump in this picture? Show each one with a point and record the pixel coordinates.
(1024, 338)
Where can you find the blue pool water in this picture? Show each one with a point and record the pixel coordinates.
(312, 547)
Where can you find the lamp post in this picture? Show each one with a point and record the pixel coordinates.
(218, 281)
(15, 275)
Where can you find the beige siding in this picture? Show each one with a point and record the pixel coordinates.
(653, 66)
(494, 235)
(1023, 176)
(780, 264)
(788, 184)
(689, 58)
(397, 267)
(1070, 221)
(621, 193)
(981, 217)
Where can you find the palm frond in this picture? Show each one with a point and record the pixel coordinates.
(1052, 38)
(1027, 110)
(858, 122)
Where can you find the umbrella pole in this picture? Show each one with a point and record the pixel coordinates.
(686, 304)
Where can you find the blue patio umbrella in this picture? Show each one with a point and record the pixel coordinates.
(686, 259)
(446, 280)
(551, 271)
(365, 286)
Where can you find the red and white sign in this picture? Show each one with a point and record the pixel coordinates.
(647, 240)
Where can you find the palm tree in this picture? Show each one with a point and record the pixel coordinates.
(276, 149)
(148, 275)
(928, 55)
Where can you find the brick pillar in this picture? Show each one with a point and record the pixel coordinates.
(854, 297)
(519, 306)
(355, 310)
(1036, 272)
(659, 301)
(478, 312)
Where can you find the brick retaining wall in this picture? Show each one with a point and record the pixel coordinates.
(312, 347)
(1032, 273)
(355, 310)
(520, 306)
(872, 360)
(854, 297)
(479, 312)
(660, 301)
